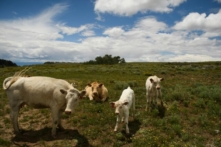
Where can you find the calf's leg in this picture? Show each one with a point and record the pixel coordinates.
(116, 126)
(126, 123)
(149, 101)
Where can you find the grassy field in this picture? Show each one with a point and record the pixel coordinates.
(192, 92)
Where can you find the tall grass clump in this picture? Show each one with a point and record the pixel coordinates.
(178, 93)
(208, 92)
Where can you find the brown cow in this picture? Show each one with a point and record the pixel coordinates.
(96, 91)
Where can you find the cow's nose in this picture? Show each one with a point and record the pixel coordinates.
(158, 88)
(68, 112)
(117, 113)
(95, 93)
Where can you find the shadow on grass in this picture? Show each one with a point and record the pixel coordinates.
(134, 126)
(34, 136)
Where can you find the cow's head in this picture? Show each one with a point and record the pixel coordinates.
(156, 82)
(96, 88)
(119, 106)
(72, 96)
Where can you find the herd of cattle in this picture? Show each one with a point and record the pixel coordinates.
(59, 95)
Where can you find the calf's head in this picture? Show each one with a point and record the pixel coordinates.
(72, 96)
(118, 106)
(156, 82)
(96, 88)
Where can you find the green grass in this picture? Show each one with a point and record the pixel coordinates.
(192, 92)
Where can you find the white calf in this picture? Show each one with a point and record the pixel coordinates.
(122, 107)
(153, 90)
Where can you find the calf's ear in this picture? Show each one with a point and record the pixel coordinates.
(63, 91)
(151, 80)
(112, 104)
(89, 84)
(161, 79)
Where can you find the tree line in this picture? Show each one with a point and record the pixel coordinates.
(4, 63)
(106, 59)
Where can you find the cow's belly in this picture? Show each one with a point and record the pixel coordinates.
(38, 105)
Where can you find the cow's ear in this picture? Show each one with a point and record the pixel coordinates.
(82, 93)
(151, 80)
(112, 104)
(161, 79)
(63, 91)
(100, 85)
(89, 84)
(125, 103)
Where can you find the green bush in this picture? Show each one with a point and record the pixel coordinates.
(178, 93)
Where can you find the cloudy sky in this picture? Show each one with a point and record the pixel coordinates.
(136, 30)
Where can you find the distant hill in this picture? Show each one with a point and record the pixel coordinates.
(4, 63)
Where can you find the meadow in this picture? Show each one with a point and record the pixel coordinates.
(192, 92)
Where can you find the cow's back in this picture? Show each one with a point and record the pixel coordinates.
(37, 91)
(127, 95)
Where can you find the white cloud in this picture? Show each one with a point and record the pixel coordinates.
(193, 58)
(40, 38)
(195, 21)
(131, 7)
(73, 30)
(219, 1)
(88, 33)
(114, 32)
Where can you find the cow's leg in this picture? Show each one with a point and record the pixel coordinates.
(104, 98)
(122, 119)
(60, 127)
(147, 97)
(158, 97)
(55, 118)
(14, 118)
(149, 101)
(116, 126)
(126, 123)
(91, 97)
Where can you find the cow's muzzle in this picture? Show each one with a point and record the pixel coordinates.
(68, 112)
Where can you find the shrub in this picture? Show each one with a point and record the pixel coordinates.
(179, 93)
(208, 92)
(203, 120)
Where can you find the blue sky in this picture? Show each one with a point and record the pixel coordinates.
(136, 30)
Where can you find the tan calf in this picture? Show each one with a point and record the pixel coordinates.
(96, 91)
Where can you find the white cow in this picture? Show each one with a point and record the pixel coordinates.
(153, 91)
(41, 92)
(122, 107)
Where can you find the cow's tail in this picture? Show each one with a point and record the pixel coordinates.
(7, 83)
(10, 80)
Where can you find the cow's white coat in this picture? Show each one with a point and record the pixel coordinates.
(122, 107)
(153, 90)
(41, 92)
